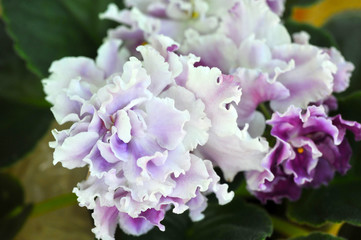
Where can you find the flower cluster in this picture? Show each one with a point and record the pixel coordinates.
(135, 124)
(151, 118)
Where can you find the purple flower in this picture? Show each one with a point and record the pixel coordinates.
(310, 148)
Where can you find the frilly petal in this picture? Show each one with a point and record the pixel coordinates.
(235, 153)
(218, 92)
(344, 70)
(254, 17)
(215, 50)
(157, 68)
(221, 190)
(310, 81)
(105, 220)
(197, 127)
(66, 69)
(111, 58)
(74, 149)
(165, 122)
(257, 88)
(134, 226)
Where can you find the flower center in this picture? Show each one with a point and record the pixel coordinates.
(300, 150)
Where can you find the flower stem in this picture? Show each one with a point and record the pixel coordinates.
(265, 111)
(242, 190)
(288, 229)
(55, 203)
(335, 228)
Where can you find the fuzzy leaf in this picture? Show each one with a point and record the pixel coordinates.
(338, 202)
(45, 30)
(16, 82)
(13, 211)
(21, 126)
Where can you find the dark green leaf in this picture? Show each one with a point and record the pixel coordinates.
(233, 221)
(16, 82)
(290, 4)
(11, 194)
(318, 236)
(237, 220)
(21, 126)
(319, 37)
(348, 106)
(340, 201)
(45, 30)
(350, 232)
(13, 211)
(345, 28)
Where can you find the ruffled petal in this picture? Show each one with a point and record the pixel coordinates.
(111, 58)
(105, 220)
(310, 81)
(197, 127)
(165, 122)
(235, 153)
(254, 17)
(218, 92)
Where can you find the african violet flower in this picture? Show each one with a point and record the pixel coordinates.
(310, 148)
(135, 125)
(243, 38)
(171, 18)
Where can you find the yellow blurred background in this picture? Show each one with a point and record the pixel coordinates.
(319, 13)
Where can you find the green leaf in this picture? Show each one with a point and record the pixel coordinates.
(13, 211)
(16, 82)
(21, 126)
(233, 221)
(237, 220)
(349, 105)
(290, 4)
(45, 30)
(338, 202)
(318, 236)
(319, 37)
(348, 231)
(345, 28)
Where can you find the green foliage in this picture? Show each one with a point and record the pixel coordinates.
(348, 231)
(338, 202)
(348, 106)
(21, 126)
(13, 211)
(17, 83)
(345, 28)
(45, 30)
(319, 37)
(318, 236)
(233, 221)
